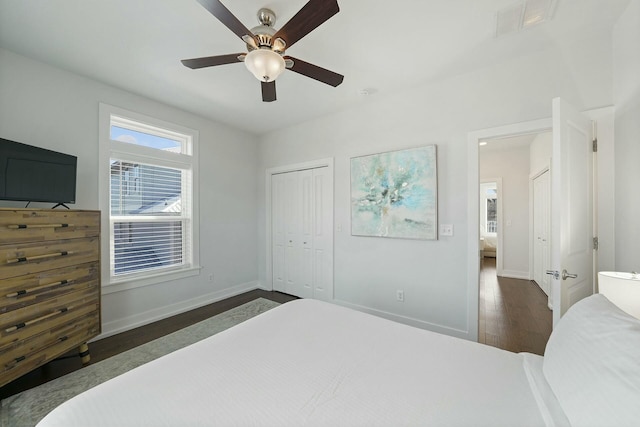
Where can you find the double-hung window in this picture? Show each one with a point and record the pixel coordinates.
(148, 171)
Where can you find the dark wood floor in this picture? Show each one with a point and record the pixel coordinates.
(110, 346)
(513, 313)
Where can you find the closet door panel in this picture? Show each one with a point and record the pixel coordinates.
(306, 233)
(537, 232)
(322, 234)
(541, 223)
(278, 232)
(292, 226)
(546, 227)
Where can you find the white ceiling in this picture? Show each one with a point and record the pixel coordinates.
(387, 47)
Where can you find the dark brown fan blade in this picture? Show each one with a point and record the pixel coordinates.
(210, 61)
(269, 91)
(218, 10)
(318, 73)
(311, 16)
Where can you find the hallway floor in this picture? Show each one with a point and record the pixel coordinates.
(513, 313)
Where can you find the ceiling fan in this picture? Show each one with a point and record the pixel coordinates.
(266, 46)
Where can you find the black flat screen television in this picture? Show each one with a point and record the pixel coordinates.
(34, 174)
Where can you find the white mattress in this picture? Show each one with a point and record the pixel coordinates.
(313, 363)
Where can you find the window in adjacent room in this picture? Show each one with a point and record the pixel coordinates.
(489, 208)
(147, 187)
(492, 209)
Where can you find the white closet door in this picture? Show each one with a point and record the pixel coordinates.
(302, 233)
(541, 224)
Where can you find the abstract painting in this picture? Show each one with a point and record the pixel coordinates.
(395, 194)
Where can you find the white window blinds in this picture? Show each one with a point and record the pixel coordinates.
(148, 219)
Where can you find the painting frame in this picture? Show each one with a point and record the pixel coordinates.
(394, 194)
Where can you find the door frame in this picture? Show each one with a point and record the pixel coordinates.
(473, 206)
(313, 164)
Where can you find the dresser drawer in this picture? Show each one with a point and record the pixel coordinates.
(28, 258)
(25, 225)
(23, 323)
(20, 357)
(21, 291)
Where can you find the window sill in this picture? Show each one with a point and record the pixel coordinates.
(134, 282)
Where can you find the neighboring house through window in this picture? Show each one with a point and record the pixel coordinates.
(148, 172)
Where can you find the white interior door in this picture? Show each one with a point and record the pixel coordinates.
(571, 207)
(541, 228)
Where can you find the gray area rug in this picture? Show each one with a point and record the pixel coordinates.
(26, 409)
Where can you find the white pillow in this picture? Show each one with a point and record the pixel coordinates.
(592, 363)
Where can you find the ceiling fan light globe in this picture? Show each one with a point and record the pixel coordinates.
(264, 64)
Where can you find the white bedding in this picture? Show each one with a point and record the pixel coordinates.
(313, 363)
(490, 242)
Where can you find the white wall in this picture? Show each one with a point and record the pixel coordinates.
(626, 92)
(433, 274)
(51, 108)
(512, 165)
(540, 152)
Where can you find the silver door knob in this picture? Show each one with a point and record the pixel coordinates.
(566, 275)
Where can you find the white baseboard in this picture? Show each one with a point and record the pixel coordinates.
(150, 316)
(264, 287)
(410, 321)
(514, 274)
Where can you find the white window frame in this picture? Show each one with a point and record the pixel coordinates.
(187, 160)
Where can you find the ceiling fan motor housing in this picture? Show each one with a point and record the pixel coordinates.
(264, 36)
(265, 31)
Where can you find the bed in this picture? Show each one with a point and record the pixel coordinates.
(311, 363)
(488, 245)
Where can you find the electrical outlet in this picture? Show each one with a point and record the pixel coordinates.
(211, 277)
(446, 229)
(400, 295)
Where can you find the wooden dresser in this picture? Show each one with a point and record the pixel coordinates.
(49, 286)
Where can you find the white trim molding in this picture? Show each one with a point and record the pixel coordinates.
(408, 320)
